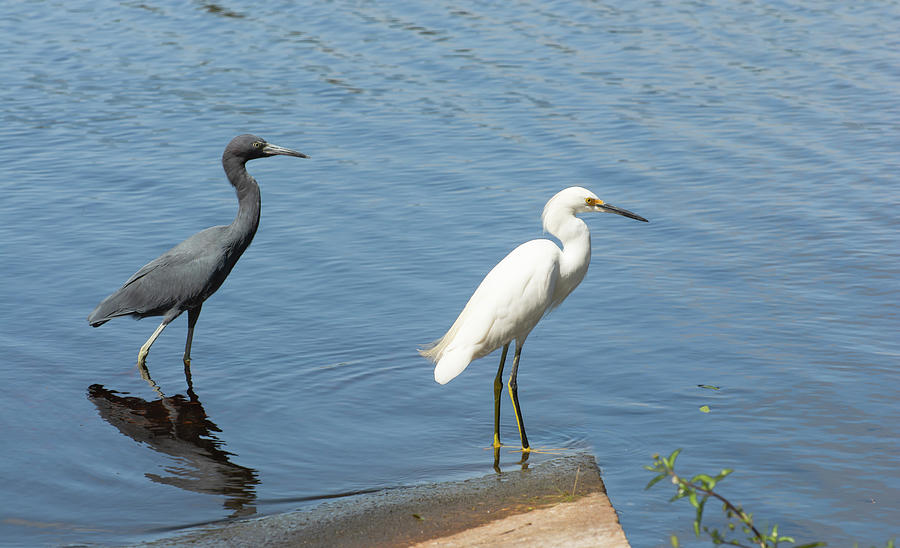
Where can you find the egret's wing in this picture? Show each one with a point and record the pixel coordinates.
(507, 304)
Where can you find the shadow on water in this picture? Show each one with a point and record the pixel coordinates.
(179, 427)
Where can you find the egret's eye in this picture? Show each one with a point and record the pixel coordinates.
(589, 201)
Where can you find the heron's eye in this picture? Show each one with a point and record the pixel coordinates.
(257, 144)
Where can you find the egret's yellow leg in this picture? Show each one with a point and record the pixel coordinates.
(498, 389)
(193, 314)
(142, 355)
(514, 394)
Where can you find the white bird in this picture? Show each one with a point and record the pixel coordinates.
(529, 282)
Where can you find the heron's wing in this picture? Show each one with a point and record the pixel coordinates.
(183, 275)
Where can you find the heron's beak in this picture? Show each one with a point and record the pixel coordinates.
(272, 150)
(609, 208)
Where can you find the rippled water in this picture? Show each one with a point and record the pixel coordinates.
(761, 141)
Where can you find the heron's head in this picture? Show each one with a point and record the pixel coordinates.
(576, 200)
(250, 147)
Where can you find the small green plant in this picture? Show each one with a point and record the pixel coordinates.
(698, 490)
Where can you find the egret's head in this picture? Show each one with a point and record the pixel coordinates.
(250, 147)
(576, 200)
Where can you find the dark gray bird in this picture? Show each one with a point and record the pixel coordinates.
(186, 275)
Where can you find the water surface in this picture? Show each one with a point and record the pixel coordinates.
(760, 140)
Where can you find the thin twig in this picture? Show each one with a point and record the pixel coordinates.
(575, 486)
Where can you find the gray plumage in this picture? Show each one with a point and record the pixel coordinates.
(183, 277)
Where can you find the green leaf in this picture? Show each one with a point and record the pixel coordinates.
(698, 519)
(725, 472)
(708, 482)
(654, 481)
(708, 386)
(693, 499)
(704, 408)
(677, 496)
(674, 540)
(671, 460)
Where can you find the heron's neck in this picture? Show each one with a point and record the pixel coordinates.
(246, 222)
(575, 237)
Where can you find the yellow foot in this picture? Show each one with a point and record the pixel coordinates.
(498, 445)
(542, 450)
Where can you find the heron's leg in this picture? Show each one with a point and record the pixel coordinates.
(142, 355)
(498, 389)
(193, 314)
(188, 378)
(514, 394)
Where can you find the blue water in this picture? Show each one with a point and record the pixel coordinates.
(760, 139)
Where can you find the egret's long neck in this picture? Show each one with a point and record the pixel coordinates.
(575, 237)
(246, 222)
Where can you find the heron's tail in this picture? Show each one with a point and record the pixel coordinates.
(110, 308)
(98, 317)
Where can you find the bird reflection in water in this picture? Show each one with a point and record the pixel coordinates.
(523, 462)
(178, 426)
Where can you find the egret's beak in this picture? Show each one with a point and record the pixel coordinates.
(609, 208)
(271, 150)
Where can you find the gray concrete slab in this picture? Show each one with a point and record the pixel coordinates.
(409, 515)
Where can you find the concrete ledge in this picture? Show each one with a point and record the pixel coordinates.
(588, 522)
(561, 502)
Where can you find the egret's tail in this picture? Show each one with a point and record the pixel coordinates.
(450, 359)
(451, 364)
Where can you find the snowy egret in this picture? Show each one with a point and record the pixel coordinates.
(183, 277)
(529, 282)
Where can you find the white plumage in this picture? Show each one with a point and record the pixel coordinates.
(532, 280)
(507, 305)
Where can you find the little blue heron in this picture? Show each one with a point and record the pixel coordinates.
(186, 275)
(529, 282)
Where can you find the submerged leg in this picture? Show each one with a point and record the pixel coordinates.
(498, 388)
(193, 314)
(514, 394)
(142, 355)
(190, 382)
